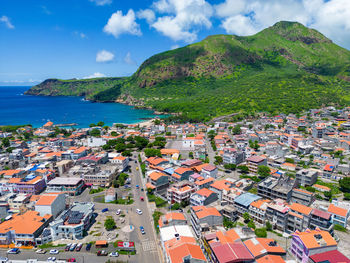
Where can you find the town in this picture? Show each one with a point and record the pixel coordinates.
(239, 189)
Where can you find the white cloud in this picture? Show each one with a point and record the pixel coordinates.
(245, 17)
(174, 47)
(104, 56)
(101, 2)
(183, 19)
(22, 81)
(45, 10)
(119, 24)
(128, 59)
(80, 34)
(95, 75)
(7, 22)
(147, 14)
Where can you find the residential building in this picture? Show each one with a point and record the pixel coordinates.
(181, 174)
(172, 219)
(202, 197)
(31, 184)
(121, 161)
(233, 156)
(243, 201)
(254, 161)
(322, 220)
(332, 256)
(298, 217)
(209, 171)
(277, 214)
(339, 215)
(311, 242)
(203, 218)
(277, 187)
(158, 181)
(306, 177)
(23, 228)
(70, 185)
(52, 204)
(257, 210)
(102, 178)
(302, 196)
(180, 192)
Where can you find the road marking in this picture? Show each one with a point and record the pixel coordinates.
(148, 246)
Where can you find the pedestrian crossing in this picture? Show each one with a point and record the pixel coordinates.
(148, 246)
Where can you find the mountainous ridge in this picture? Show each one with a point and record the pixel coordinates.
(284, 68)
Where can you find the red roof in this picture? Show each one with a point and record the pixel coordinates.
(231, 252)
(321, 214)
(333, 256)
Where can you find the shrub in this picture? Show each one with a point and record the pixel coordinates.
(261, 232)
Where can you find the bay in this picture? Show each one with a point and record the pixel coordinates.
(18, 109)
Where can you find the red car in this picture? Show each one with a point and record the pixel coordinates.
(141, 198)
(71, 260)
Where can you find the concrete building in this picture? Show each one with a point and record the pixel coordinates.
(276, 214)
(204, 218)
(302, 196)
(203, 197)
(306, 177)
(71, 223)
(233, 156)
(254, 161)
(70, 185)
(277, 187)
(243, 201)
(52, 204)
(339, 215)
(180, 192)
(322, 220)
(102, 178)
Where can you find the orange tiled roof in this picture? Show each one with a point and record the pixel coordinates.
(270, 259)
(309, 239)
(337, 210)
(46, 199)
(303, 209)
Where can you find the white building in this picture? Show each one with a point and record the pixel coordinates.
(52, 204)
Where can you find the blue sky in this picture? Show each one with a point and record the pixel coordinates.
(83, 38)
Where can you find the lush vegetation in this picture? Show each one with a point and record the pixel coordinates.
(109, 223)
(284, 68)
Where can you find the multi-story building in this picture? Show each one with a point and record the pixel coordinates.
(121, 161)
(31, 184)
(339, 215)
(257, 210)
(157, 181)
(298, 217)
(202, 197)
(321, 219)
(203, 218)
(233, 156)
(71, 223)
(103, 178)
(243, 201)
(181, 174)
(310, 242)
(306, 177)
(23, 228)
(276, 214)
(172, 219)
(209, 171)
(52, 204)
(277, 187)
(70, 185)
(254, 161)
(302, 196)
(180, 192)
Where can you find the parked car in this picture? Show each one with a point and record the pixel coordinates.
(137, 186)
(139, 211)
(102, 253)
(54, 252)
(71, 260)
(142, 189)
(114, 254)
(142, 199)
(142, 230)
(88, 247)
(105, 210)
(67, 247)
(118, 212)
(72, 247)
(79, 246)
(51, 259)
(13, 251)
(40, 251)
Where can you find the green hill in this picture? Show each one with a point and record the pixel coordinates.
(284, 68)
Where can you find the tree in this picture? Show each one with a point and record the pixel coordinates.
(246, 217)
(127, 153)
(264, 171)
(218, 159)
(5, 142)
(230, 166)
(175, 206)
(149, 152)
(236, 130)
(190, 155)
(346, 196)
(95, 132)
(328, 195)
(92, 125)
(113, 133)
(251, 224)
(109, 224)
(261, 232)
(268, 226)
(156, 121)
(120, 147)
(100, 123)
(289, 160)
(344, 184)
(243, 168)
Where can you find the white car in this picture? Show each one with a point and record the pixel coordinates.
(40, 251)
(51, 259)
(114, 254)
(54, 252)
(118, 212)
(139, 211)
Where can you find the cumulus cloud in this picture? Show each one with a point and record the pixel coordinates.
(101, 2)
(128, 59)
(183, 18)
(104, 56)
(147, 14)
(6, 21)
(95, 75)
(246, 17)
(119, 24)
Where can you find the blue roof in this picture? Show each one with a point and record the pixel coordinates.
(246, 199)
(34, 168)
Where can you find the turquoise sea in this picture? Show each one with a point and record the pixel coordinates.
(17, 109)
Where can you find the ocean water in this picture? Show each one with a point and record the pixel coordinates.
(17, 109)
